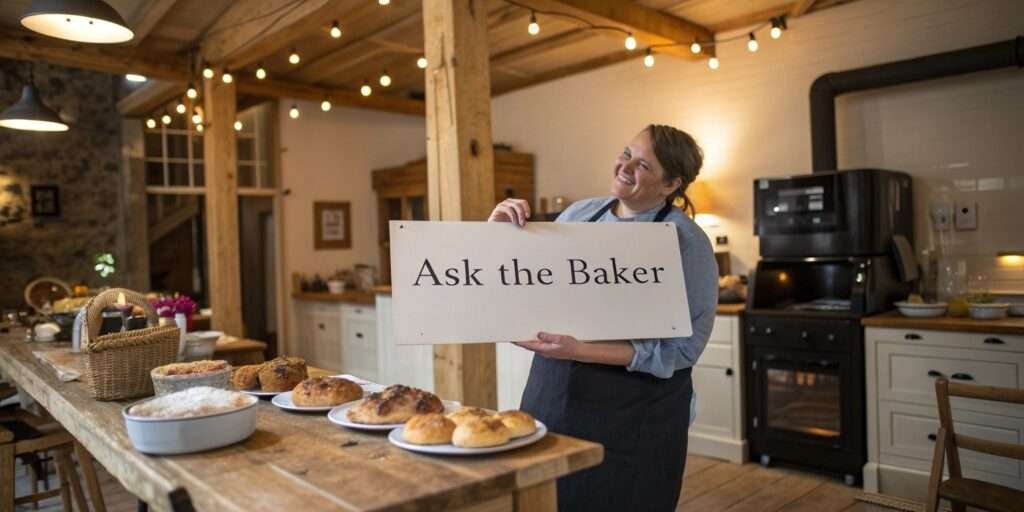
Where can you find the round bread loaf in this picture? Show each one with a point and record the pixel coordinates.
(467, 414)
(518, 422)
(323, 391)
(431, 428)
(246, 377)
(282, 374)
(396, 404)
(481, 433)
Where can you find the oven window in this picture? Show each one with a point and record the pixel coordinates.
(803, 401)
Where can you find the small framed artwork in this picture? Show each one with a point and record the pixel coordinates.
(332, 225)
(45, 200)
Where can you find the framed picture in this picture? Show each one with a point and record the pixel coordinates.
(332, 225)
(45, 200)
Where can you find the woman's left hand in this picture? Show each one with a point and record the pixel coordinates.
(554, 346)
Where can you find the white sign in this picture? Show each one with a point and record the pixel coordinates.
(468, 282)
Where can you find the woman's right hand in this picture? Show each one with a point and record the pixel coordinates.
(516, 211)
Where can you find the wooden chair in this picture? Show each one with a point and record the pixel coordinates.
(963, 492)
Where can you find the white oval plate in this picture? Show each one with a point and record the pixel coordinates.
(449, 449)
(261, 394)
(284, 401)
(339, 416)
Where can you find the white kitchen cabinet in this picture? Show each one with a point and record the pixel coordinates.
(717, 430)
(902, 365)
(412, 365)
(338, 337)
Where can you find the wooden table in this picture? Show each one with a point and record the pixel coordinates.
(298, 461)
(239, 351)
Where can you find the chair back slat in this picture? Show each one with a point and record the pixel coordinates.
(996, 448)
(992, 393)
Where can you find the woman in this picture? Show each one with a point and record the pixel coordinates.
(632, 396)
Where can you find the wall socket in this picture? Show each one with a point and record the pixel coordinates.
(965, 216)
(942, 218)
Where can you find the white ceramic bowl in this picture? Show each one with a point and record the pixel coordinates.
(1017, 309)
(167, 436)
(990, 311)
(919, 310)
(198, 345)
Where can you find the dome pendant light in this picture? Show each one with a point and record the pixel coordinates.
(85, 21)
(30, 114)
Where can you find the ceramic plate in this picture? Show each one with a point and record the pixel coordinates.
(338, 416)
(449, 449)
(261, 394)
(284, 401)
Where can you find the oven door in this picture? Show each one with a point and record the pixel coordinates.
(807, 408)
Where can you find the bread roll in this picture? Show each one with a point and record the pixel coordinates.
(518, 422)
(431, 428)
(481, 433)
(282, 374)
(324, 391)
(396, 404)
(468, 413)
(246, 377)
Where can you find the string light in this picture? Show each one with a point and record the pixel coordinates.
(226, 77)
(630, 42)
(207, 71)
(325, 105)
(199, 128)
(191, 92)
(196, 118)
(151, 123)
(778, 25)
(385, 79)
(238, 126)
(649, 58)
(261, 72)
(366, 90)
(165, 119)
(180, 108)
(695, 48)
(752, 43)
(384, 2)
(533, 28)
(294, 112)
(293, 57)
(713, 63)
(421, 63)
(335, 30)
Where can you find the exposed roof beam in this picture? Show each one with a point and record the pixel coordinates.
(544, 45)
(275, 89)
(149, 97)
(649, 26)
(800, 8)
(152, 15)
(572, 69)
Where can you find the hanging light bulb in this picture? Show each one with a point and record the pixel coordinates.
(165, 119)
(180, 108)
(293, 112)
(261, 72)
(752, 43)
(226, 77)
(384, 2)
(207, 71)
(151, 123)
(778, 25)
(335, 30)
(385, 79)
(85, 21)
(421, 63)
(197, 119)
(649, 58)
(366, 90)
(238, 126)
(713, 63)
(630, 42)
(325, 105)
(533, 28)
(199, 128)
(695, 47)
(191, 92)
(293, 57)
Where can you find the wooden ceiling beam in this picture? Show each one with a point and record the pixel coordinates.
(800, 8)
(114, 60)
(649, 26)
(151, 96)
(149, 19)
(562, 72)
(338, 97)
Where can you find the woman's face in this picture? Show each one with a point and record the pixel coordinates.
(639, 178)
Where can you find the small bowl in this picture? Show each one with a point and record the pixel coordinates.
(1016, 309)
(988, 311)
(198, 345)
(336, 287)
(922, 310)
(168, 436)
(164, 384)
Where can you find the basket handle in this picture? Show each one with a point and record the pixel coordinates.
(94, 311)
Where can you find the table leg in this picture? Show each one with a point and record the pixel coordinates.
(72, 478)
(89, 470)
(541, 497)
(7, 476)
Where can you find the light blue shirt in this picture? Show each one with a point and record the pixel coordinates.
(663, 356)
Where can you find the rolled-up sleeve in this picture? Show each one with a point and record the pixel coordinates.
(662, 357)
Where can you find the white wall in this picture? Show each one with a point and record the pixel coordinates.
(752, 116)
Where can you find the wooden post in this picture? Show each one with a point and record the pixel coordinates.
(220, 162)
(460, 163)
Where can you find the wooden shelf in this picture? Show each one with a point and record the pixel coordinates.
(893, 319)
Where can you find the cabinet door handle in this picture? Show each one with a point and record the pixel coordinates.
(767, 330)
(753, 330)
(911, 336)
(728, 372)
(359, 311)
(994, 341)
(934, 373)
(932, 437)
(359, 335)
(321, 326)
(803, 334)
(961, 376)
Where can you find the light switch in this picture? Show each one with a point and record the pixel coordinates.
(942, 217)
(966, 216)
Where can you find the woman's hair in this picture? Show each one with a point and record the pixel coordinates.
(679, 155)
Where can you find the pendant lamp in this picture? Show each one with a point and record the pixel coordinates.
(86, 21)
(30, 114)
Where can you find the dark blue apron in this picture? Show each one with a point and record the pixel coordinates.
(641, 420)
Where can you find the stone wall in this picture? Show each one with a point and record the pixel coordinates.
(85, 162)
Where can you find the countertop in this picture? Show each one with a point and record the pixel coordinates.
(894, 320)
(348, 297)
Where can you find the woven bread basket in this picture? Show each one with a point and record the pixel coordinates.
(117, 365)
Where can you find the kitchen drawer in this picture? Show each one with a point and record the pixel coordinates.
(326, 342)
(905, 430)
(716, 355)
(951, 339)
(715, 397)
(324, 308)
(907, 373)
(724, 331)
(354, 312)
(359, 348)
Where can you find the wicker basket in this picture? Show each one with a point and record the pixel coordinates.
(117, 365)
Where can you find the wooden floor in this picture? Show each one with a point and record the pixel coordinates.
(710, 485)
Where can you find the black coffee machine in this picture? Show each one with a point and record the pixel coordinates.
(835, 247)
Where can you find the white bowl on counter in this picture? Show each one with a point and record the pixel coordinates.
(170, 436)
(988, 311)
(922, 310)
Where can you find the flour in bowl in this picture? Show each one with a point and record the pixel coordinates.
(197, 401)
